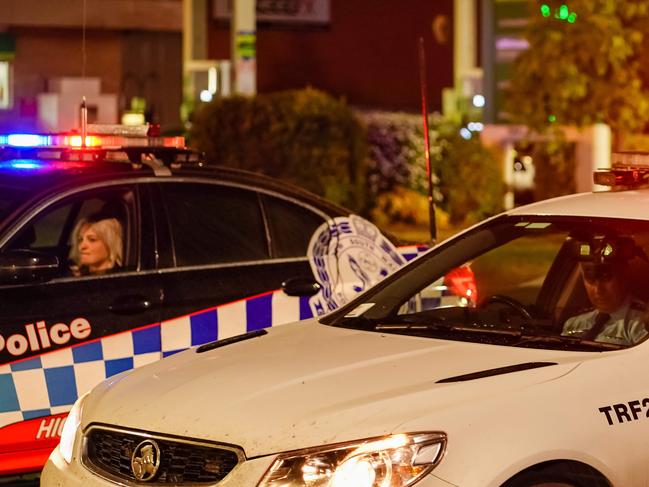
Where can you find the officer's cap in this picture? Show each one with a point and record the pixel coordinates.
(609, 250)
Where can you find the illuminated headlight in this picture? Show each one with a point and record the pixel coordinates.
(394, 461)
(70, 428)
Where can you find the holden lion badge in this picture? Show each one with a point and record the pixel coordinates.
(347, 256)
(145, 460)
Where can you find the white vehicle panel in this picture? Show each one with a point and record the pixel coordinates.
(290, 377)
(612, 204)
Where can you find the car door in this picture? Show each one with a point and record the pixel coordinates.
(230, 248)
(61, 337)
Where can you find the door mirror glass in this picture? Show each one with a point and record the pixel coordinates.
(27, 266)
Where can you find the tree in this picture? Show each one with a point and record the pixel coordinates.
(583, 66)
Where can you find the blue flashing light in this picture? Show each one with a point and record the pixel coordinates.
(465, 133)
(24, 140)
(21, 164)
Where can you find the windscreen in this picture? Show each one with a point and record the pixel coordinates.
(552, 282)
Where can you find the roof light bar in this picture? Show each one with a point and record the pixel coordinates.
(117, 129)
(75, 141)
(107, 137)
(630, 159)
(628, 169)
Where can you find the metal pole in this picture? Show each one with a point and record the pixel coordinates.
(424, 112)
(243, 31)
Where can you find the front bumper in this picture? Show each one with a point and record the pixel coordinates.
(58, 473)
(61, 474)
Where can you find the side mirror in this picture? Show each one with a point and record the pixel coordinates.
(27, 266)
(300, 286)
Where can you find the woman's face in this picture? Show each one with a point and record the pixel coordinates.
(93, 252)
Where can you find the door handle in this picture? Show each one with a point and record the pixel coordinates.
(130, 304)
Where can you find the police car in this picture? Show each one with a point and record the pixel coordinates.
(395, 390)
(204, 253)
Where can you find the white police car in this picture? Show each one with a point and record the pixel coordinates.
(395, 390)
(204, 253)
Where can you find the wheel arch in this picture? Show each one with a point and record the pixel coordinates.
(557, 471)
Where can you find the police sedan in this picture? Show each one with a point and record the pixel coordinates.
(123, 248)
(537, 381)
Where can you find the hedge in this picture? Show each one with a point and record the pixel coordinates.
(467, 176)
(305, 137)
(363, 160)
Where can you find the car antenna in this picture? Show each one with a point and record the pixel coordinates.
(424, 112)
(84, 108)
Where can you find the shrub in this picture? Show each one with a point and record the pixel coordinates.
(470, 177)
(306, 137)
(467, 177)
(316, 141)
(555, 169)
(395, 144)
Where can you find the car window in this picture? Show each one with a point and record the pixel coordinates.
(214, 224)
(291, 226)
(522, 281)
(56, 231)
(517, 268)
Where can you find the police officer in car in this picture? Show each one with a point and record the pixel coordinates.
(617, 316)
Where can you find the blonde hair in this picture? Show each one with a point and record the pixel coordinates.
(109, 231)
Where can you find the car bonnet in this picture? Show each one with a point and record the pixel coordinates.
(307, 384)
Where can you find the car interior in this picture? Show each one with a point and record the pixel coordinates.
(51, 233)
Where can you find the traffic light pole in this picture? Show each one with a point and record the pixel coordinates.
(243, 32)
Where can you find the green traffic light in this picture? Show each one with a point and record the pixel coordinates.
(552, 118)
(564, 12)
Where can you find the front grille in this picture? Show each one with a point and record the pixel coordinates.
(108, 452)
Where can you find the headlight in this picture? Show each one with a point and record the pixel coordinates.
(69, 431)
(393, 461)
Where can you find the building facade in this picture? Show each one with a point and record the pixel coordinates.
(363, 50)
(128, 50)
(131, 51)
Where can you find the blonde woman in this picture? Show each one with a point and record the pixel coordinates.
(96, 246)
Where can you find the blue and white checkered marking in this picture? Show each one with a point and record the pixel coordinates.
(50, 383)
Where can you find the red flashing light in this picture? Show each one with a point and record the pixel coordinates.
(154, 130)
(75, 141)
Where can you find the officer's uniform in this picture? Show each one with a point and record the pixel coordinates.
(625, 326)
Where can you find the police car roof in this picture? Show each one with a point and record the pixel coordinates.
(53, 176)
(631, 204)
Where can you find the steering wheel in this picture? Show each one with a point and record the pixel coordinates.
(511, 302)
